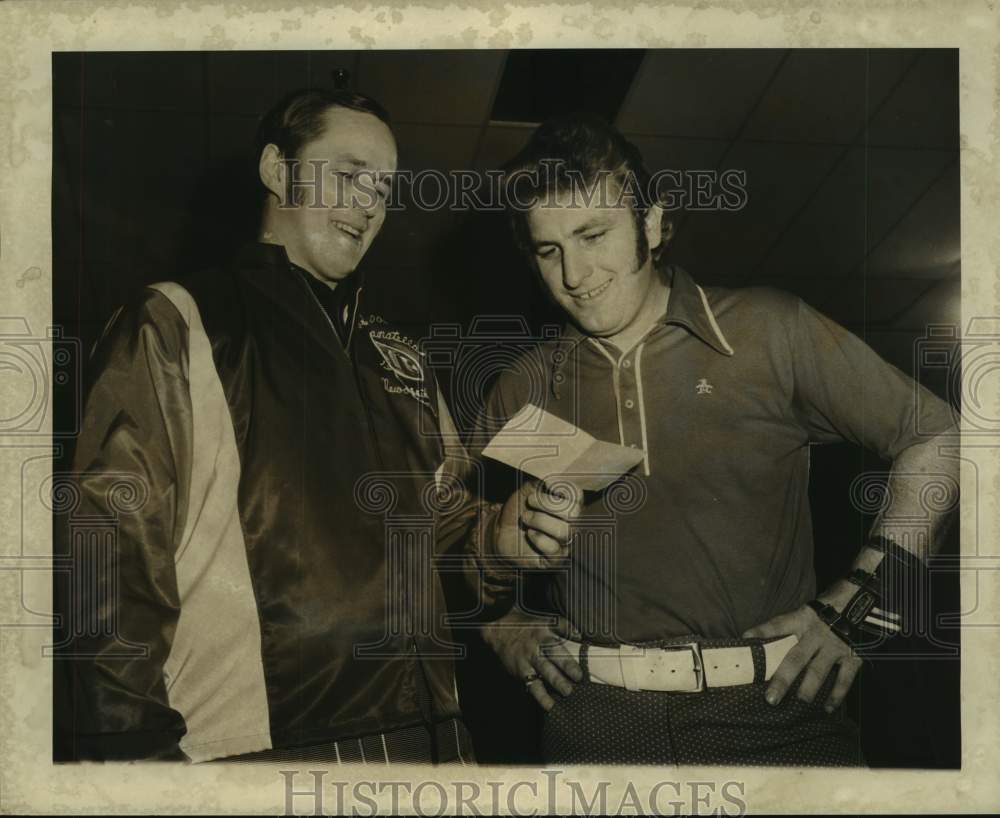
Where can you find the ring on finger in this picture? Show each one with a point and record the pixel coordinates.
(531, 678)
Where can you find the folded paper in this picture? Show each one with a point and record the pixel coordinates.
(554, 450)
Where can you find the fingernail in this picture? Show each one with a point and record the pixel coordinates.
(772, 698)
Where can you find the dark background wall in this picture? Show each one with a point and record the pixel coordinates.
(852, 171)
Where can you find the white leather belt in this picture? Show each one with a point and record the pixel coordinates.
(684, 668)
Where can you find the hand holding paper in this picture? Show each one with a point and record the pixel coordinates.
(534, 526)
(549, 448)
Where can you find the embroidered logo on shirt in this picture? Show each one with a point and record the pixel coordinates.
(703, 387)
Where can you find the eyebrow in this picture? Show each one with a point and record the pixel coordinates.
(385, 176)
(595, 222)
(351, 159)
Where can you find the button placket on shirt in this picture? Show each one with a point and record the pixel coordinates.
(631, 422)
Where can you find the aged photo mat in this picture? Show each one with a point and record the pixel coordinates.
(31, 32)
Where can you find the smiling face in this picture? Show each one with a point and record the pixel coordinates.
(327, 231)
(588, 258)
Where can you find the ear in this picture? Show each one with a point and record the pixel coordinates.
(666, 231)
(272, 171)
(656, 231)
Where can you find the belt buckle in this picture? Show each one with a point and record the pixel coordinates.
(699, 666)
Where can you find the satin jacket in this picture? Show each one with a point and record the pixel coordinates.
(269, 579)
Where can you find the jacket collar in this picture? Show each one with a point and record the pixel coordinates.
(261, 254)
(268, 268)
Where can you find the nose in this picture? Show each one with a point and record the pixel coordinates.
(361, 198)
(575, 270)
(369, 205)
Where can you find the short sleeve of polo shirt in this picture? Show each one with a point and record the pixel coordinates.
(845, 391)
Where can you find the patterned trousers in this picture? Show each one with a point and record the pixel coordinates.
(601, 724)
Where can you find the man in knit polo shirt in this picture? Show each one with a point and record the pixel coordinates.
(693, 631)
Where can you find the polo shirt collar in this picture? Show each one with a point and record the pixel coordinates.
(687, 307)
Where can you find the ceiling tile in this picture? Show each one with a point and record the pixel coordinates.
(813, 291)
(923, 109)
(940, 304)
(431, 86)
(927, 242)
(886, 68)
(896, 178)
(539, 83)
(825, 95)
(669, 153)
(863, 302)
(440, 147)
(500, 144)
(669, 93)
(727, 245)
(827, 238)
(817, 96)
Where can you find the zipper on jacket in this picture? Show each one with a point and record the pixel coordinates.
(354, 317)
(373, 442)
(326, 316)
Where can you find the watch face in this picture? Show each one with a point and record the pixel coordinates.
(859, 607)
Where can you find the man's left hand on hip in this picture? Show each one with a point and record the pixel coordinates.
(818, 651)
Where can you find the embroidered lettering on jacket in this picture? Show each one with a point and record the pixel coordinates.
(401, 356)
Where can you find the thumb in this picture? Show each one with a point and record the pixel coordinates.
(566, 629)
(529, 483)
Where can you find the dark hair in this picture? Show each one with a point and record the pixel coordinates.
(298, 118)
(580, 147)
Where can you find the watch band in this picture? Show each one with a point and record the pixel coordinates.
(833, 620)
(885, 603)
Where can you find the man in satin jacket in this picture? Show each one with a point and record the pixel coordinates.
(270, 426)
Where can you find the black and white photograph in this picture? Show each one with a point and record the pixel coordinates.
(428, 412)
(733, 258)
